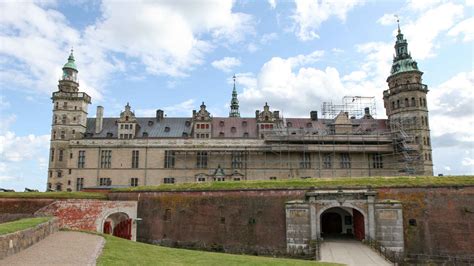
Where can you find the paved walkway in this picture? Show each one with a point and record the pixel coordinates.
(350, 252)
(61, 248)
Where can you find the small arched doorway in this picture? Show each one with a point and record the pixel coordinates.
(118, 224)
(342, 222)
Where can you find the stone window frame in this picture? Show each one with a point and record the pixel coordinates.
(134, 181)
(305, 160)
(135, 158)
(105, 158)
(81, 159)
(170, 159)
(105, 181)
(377, 161)
(79, 183)
(345, 160)
(202, 158)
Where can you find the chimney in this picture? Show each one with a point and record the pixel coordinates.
(99, 119)
(257, 113)
(313, 115)
(367, 111)
(194, 113)
(159, 115)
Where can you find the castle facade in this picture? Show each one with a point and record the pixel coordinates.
(136, 151)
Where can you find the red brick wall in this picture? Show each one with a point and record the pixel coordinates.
(444, 217)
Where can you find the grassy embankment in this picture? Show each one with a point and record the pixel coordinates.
(22, 224)
(54, 195)
(355, 182)
(119, 251)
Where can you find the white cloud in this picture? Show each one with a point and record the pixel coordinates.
(272, 3)
(451, 110)
(18, 148)
(268, 37)
(465, 27)
(422, 33)
(226, 64)
(309, 15)
(252, 48)
(420, 5)
(6, 121)
(467, 161)
(246, 79)
(387, 19)
(179, 109)
(45, 36)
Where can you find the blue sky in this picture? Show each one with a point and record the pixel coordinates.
(174, 54)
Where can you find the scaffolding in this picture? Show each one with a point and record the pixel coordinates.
(405, 145)
(353, 105)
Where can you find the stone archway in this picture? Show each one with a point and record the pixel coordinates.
(118, 224)
(342, 222)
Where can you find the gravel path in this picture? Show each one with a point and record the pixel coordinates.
(350, 252)
(61, 248)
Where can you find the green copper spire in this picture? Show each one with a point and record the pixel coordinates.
(234, 103)
(402, 61)
(70, 69)
(71, 63)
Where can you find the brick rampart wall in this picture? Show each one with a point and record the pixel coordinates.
(253, 221)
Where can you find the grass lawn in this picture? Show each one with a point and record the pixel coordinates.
(53, 195)
(119, 251)
(10, 227)
(354, 182)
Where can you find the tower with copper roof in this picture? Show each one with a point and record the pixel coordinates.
(406, 107)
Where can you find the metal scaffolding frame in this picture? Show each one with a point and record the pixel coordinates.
(353, 105)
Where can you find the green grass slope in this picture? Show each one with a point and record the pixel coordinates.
(354, 182)
(22, 224)
(119, 251)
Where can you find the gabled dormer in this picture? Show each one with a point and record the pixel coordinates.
(342, 124)
(127, 124)
(202, 121)
(266, 120)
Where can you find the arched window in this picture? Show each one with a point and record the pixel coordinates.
(64, 119)
(221, 123)
(126, 118)
(426, 120)
(233, 130)
(221, 134)
(246, 135)
(413, 102)
(393, 105)
(421, 102)
(422, 121)
(424, 102)
(55, 119)
(428, 142)
(398, 103)
(244, 123)
(424, 141)
(406, 102)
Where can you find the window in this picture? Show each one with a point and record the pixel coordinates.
(421, 102)
(145, 134)
(185, 135)
(167, 129)
(79, 183)
(61, 155)
(54, 134)
(221, 134)
(81, 159)
(377, 160)
(135, 157)
(105, 181)
(64, 119)
(121, 126)
(201, 179)
(169, 159)
(246, 135)
(327, 161)
(65, 105)
(238, 158)
(244, 123)
(134, 182)
(413, 102)
(55, 119)
(52, 155)
(426, 120)
(168, 180)
(305, 160)
(201, 159)
(126, 126)
(398, 103)
(69, 171)
(207, 126)
(63, 134)
(233, 129)
(219, 179)
(406, 102)
(393, 105)
(131, 126)
(273, 177)
(60, 174)
(289, 124)
(105, 158)
(49, 186)
(50, 174)
(345, 160)
(428, 142)
(59, 187)
(236, 178)
(221, 123)
(57, 105)
(424, 102)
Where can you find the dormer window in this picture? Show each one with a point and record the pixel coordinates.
(167, 129)
(246, 135)
(221, 123)
(185, 135)
(150, 123)
(244, 123)
(221, 134)
(126, 118)
(289, 124)
(187, 123)
(110, 134)
(145, 134)
(233, 130)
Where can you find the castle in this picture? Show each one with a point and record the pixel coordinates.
(138, 151)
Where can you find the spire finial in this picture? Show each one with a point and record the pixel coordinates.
(398, 22)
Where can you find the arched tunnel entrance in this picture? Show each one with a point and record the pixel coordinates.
(118, 224)
(342, 222)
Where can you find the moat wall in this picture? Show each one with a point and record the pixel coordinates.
(437, 220)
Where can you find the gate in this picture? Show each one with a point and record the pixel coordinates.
(124, 229)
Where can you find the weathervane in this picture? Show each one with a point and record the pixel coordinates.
(398, 22)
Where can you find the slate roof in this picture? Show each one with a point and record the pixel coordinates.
(155, 129)
(241, 125)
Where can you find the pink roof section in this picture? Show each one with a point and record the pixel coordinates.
(225, 125)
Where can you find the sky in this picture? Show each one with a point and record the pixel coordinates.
(175, 54)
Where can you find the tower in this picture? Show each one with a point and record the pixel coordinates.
(69, 122)
(234, 103)
(407, 111)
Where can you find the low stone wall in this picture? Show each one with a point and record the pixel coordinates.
(15, 242)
